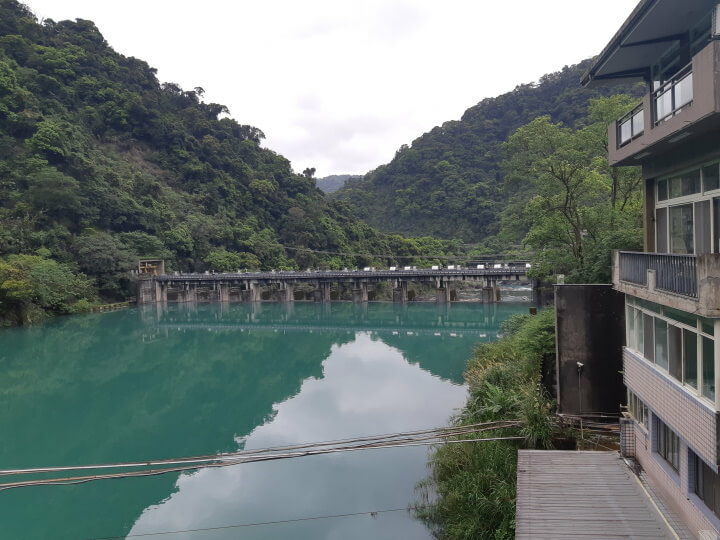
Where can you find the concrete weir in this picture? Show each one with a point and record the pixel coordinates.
(249, 286)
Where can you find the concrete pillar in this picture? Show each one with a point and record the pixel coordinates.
(224, 292)
(360, 292)
(443, 293)
(251, 293)
(287, 292)
(400, 294)
(322, 293)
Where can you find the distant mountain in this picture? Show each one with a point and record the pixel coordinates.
(448, 183)
(330, 184)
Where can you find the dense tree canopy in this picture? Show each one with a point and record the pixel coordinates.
(574, 207)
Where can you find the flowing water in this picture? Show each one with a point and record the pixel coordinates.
(198, 379)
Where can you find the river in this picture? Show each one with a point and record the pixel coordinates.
(187, 380)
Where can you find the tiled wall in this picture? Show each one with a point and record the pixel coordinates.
(686, 415)
(672, 487)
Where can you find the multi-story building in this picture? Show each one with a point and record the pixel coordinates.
(671, 361)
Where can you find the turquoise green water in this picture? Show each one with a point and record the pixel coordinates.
(188, 380)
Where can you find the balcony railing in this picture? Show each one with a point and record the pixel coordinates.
(673, 273)
(631, 126)
(675, 94)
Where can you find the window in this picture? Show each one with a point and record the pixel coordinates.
(675, 351)
(680, 343)
(668, 444)
(662, 192)
(708, 368)
(638, 410)
(649, 348)
(630, 318)
(681, 229)
(707, 484)
(711, 179)
(690, 357)
(661, 343)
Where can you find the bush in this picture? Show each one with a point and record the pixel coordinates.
(471, 490)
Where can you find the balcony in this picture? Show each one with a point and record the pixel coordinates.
(686, 282)
(685, 106)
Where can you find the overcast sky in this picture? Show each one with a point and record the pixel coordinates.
(339, 85)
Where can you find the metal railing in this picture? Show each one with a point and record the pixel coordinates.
(673, 95)
(673, 273)
(631, 126)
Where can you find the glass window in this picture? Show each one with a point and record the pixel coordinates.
(680, 316)
(691, 182)
(708, 368)
(684, 91)
(638, 122)
(639, 321)
(690, 357)
(668, 445)
(675, 187)
(702, 227)
(663, 105)
(662, 193)
(716, 222)
(630, 318)
(711, 179)
(681, 229)
(662, 229)
(649, 349)
(661, 343)
(707, 485)
(675, 351)
(707, 325)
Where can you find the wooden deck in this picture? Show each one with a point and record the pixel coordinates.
(583, 495)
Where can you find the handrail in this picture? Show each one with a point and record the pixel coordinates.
(666, 101)
(631, 125)
(674, 273)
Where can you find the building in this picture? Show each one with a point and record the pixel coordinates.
(671, 362)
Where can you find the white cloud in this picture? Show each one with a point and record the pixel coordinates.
(338, 84)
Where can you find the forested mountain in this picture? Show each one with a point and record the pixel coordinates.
(100, 164)
(449, 182)
(330, 184)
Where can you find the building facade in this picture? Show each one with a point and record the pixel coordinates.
(671, 358)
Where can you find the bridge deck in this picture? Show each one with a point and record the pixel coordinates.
(349, 275)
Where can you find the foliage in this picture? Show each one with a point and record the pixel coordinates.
(575, 206)
(32, 287)
(449, 182)
(223, 260)
(471, 489)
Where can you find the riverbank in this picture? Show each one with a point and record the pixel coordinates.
(471, 489)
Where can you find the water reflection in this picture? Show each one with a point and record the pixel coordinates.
(191, 380)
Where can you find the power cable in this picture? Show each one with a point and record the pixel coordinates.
(372, 513)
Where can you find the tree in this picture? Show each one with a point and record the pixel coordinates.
(575, 204)
(223, 260)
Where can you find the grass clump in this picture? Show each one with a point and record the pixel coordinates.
(470, 492)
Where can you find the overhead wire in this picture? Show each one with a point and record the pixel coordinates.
(371, 513)
(407, 439)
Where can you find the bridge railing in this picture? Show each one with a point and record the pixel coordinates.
(358, 274)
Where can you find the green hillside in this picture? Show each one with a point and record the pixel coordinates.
(449, 182)
(101, 163)
(330, 184)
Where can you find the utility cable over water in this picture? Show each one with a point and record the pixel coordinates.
(427, 437)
